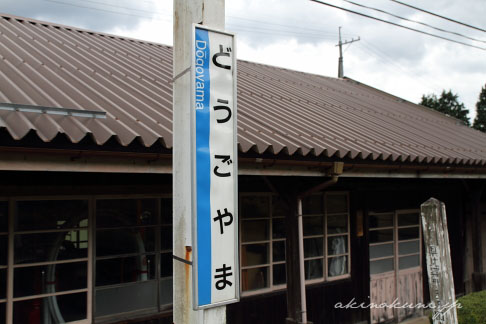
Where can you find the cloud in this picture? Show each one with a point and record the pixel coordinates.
(98, 15)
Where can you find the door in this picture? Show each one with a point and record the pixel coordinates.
(395, 264)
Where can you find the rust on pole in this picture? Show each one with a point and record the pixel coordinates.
(439, 266)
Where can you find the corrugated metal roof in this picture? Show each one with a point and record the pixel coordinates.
(280, 111)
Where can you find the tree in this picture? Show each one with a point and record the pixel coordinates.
(447, 104)
(480, 120)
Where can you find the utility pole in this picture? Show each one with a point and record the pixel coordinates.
(186, 12)
(341, 67)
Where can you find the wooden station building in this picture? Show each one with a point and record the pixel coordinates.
(86, 187)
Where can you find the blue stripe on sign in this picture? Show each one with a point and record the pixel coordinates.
(203, 168)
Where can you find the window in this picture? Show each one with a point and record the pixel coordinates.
(382, 246)
(262, 240)
(60, 258)
(50, 261)
(262, 234)
(326, 236)
(409, 241)
(394, 241)
(133, 255)
(3, 258)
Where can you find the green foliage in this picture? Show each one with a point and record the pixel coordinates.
(480, 120)
(447, 104)
(473, 309)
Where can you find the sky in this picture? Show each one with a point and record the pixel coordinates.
(302, 35)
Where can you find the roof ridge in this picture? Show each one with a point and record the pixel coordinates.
(290, 70)
(79, 29)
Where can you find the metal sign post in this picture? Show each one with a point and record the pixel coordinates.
(214, 169)
(439, 267)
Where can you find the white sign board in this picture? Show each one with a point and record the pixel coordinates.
(215, 171)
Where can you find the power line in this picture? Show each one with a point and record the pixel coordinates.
(273, 31)
(106, 10)
(293, 27)
(433, 14)
(305, 31)
(398, 25)
(415, 21)
(380, 54)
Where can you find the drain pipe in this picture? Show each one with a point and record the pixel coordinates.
(336, 171)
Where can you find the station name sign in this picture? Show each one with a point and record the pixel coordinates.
(214, 169)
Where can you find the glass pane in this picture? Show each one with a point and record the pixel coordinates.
(337, 224)
(252, 279)
(313, 247)
(408, 233)
(278, 251)
(50, 278)
(408, 262)
(337, 245)
(313, 204)
(60, 309)
(381, 236)
(279, 207)
(166, 210)
(166, 291)
(3, 285)
(408, 247)
(50, 246)
(255, 207)
(337, 266)
(50, 214)
(408, 219)
(3, 216)
(125, 241)
(166, 265)
(313, 225)
(383, 220)
(125, 212)
(254, 230)
(278, 228)
(3, 249)
(382, 250)
(127, 298)
(166, 238)
(279, 274)
(337, 203)
(254, 254)
(122, 270)
(313, 269)
(381, 266)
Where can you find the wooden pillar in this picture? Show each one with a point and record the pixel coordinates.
(294, 305)
(479, 274)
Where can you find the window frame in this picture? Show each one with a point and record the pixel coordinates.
(396, 240)
(90, 259)
(12, 212)
(325, 257)
(157, 253)
(269, 265)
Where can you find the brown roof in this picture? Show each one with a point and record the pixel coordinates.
(123, 88)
